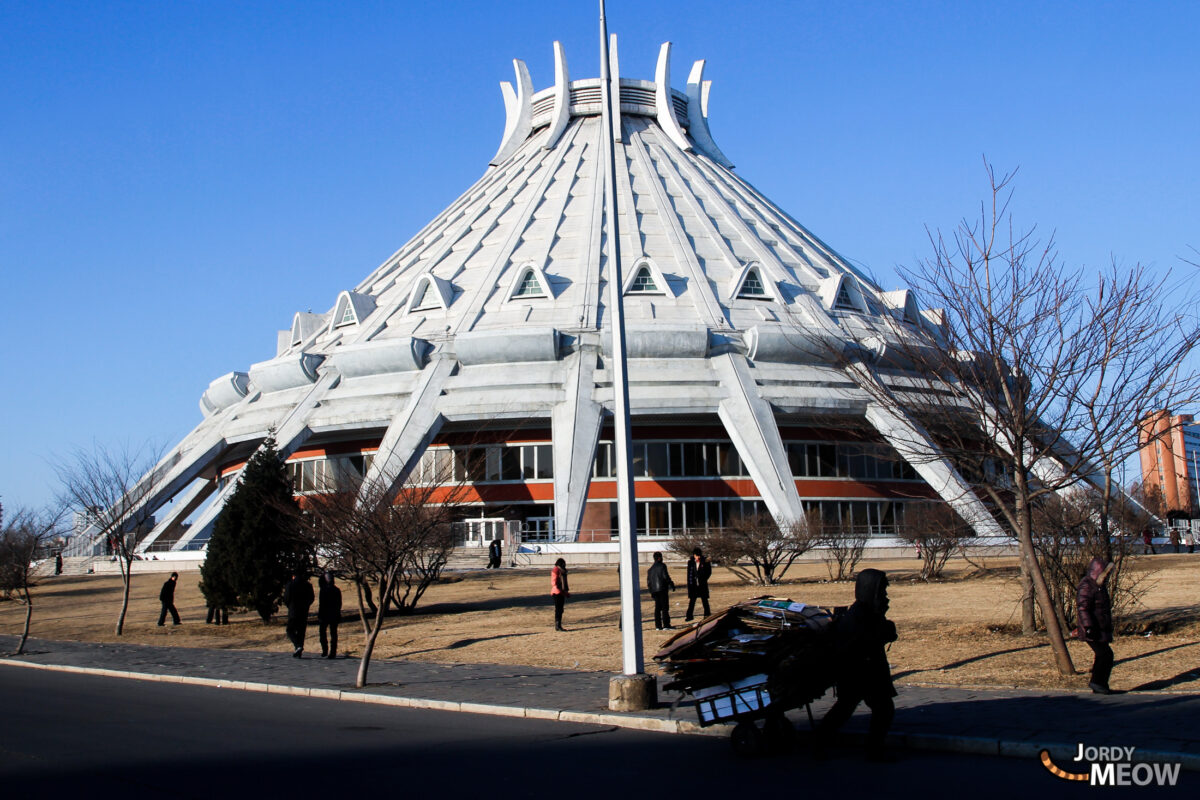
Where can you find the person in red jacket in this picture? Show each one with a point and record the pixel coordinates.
(1094, 621)
(559, 591)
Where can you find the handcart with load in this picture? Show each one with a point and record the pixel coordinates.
(751, 663)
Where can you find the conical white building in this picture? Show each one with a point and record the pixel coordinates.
(484, 339)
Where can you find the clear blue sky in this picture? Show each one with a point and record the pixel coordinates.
(178, 178)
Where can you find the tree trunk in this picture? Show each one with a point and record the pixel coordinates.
(1054, 632)
(127, 575)
(385, 588)
(28, 617)
(1028, 614)
(362, 609)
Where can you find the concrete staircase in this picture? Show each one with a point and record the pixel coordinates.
(468, 558)
(76, 565)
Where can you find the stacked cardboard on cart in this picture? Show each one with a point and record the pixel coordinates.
(763, 652)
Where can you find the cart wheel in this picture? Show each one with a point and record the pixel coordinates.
(747, 740)
(778, 734)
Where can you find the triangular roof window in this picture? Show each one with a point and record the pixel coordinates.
(845, 300)
(753, 285)
(351, 309)
(529, 286)
(643, 281)
(644, 277)
(421, 298)
(430, 292)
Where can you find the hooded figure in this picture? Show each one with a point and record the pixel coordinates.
(329, 614)
(166, 596)
(1094, 620)
(297, 596)
(698, 573)
(863, 675)
(659, 582)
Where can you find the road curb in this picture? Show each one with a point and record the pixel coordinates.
(945, 743)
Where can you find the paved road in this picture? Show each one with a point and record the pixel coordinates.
(1161, 725)
(85, 736)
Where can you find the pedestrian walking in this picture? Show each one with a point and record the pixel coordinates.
(560, 590)
(1175, 539)
(58, 564)
(166, 596)
(1147, 543)
(494, 553)
(1094, 623)
(298, 597)
(329, 614)
(659, 582)
(1190, 539)
(698, 573)
(860, 635)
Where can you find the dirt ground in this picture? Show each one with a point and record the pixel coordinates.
(961, 631)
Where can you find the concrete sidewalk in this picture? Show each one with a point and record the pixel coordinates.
(1020, 723)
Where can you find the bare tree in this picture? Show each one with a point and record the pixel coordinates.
(1141, 333)
(23, 537)
(755, 538)
(110, 489)
(842, 546)
(1072, 528)
(937, 532)
(393, 541)
(1028, 381)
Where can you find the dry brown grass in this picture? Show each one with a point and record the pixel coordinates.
(963, 631)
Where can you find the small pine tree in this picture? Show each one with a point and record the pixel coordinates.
(254, 545)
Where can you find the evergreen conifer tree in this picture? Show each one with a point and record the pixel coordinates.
(254, 545)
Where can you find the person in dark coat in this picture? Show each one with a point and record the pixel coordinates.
(659, 583)
(698, 573)
(560, 590)
(329, 614)
(1094, 621)
(166, 596)
(58, 564)
(298, 597)
(217, 615)
(494, 551)
(863, 675)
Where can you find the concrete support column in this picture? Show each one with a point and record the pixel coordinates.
(750, 423)
(575, 429)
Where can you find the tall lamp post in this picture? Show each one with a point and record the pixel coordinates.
(632, 690)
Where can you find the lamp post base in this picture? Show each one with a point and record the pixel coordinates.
(632, 692)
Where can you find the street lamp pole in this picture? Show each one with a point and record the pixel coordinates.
(633, 689)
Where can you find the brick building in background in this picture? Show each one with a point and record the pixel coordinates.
(1170, 455)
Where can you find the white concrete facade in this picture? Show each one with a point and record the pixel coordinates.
(492, 319)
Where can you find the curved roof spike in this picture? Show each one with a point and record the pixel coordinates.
(562, 97)
(697, 92)
(614, 89)
(519, 109)
(662, 99)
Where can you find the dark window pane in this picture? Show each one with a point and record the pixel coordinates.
(656, 459)
(493, 463)
(510, 463)
(827, 461)
(603, 461)
(638, 457)
(675, 449)
(693, 459)
(796, 460)
(545, 461)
